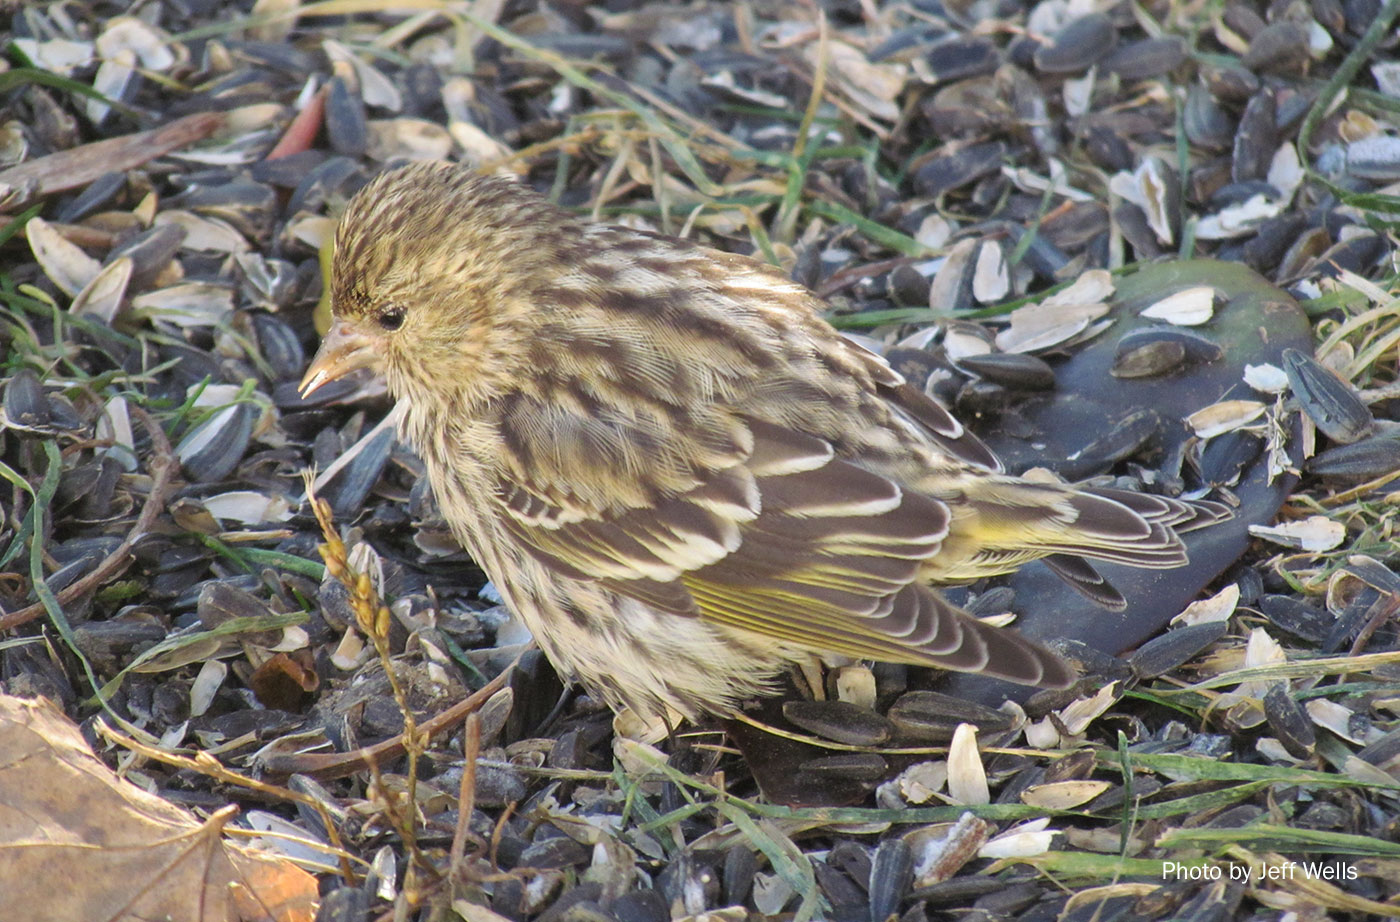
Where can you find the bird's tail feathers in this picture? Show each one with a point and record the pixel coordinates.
(1013, 521)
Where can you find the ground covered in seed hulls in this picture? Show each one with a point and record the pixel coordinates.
(1181, 217)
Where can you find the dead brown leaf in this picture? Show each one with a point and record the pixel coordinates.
(77, 842)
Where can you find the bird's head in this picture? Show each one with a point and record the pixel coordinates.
(430, 278)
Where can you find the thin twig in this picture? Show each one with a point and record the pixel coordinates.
(466, 796)
(162, 468)
(75, 168)
(328, 766)
(204, 764)
(1382, 611)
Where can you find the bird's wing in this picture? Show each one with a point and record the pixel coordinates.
(787, 541)
(924, 415)
(936, 424)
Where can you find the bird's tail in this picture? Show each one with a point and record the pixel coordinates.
(1000, 523)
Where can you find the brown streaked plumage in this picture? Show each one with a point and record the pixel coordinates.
(675, 471)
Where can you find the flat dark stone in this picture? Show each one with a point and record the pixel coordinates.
(1257, 323)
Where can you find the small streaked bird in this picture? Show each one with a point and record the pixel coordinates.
(677, 473)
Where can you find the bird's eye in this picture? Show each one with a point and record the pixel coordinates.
(391, 318)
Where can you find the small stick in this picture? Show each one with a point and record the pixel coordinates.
(162, 468)
(466, 795)
(328, 766)
(74, 168)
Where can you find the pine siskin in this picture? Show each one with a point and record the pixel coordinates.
(674, 470)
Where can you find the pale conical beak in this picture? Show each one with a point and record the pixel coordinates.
(345, 348)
